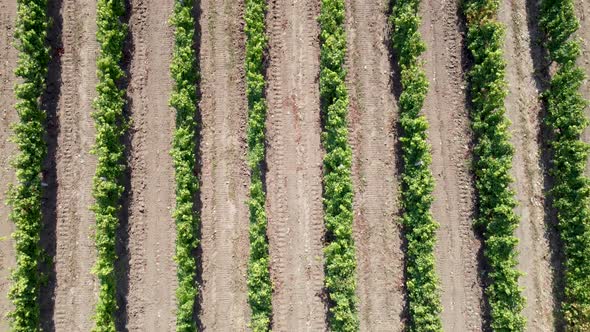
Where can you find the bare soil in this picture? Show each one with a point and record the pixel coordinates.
(373, 110)
(151, 302)
(583, 13)
(225, 175)
(524, 109)
(450, 137)
(294, 159)
(8, 56)
(75, 253)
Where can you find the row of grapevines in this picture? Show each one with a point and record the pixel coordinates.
(492, 164)
(340, 265)
(571, 190)
(184, 100)
(259, 284)
(109, 121)
(25, 197)
(417, 180)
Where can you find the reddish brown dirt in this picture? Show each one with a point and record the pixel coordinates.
(449, 134)
(75, 286)
(225, 177)
(294, 159)
(8, 56)
(372, 136)
(151, 303)
(523, 107)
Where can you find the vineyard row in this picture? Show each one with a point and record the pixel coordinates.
(259, 284)
(417, 181)
(110, 126)
(184, 100)
(25, 196)
(492, 163)
(571, 189)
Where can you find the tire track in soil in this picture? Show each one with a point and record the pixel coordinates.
(75, 166)
(225, 173)
(8, 58)
(151, 303)
(523, 107)
(450, 136)
(372, 116)
(294, 158)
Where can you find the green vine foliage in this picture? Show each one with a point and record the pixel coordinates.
(340, 261)
(109, 121)
(259, 283)
(25, 196)
(571, 190)
(184, 100)
(417, 180)
(492, 164)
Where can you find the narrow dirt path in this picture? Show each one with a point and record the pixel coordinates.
(372, 115)
(152, 272)
(583, 14)
(523, 108)
(75, 287)
(294, 161)
(449, 134)
(225, 177)
(8, 56)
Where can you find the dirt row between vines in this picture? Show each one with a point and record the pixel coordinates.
(8, 57)
(583, 12)
(373, 138)
(294, 158)
(457, 247)
(148, 272)
(71, 89)
(224, 173)
(536, 231)
(294, 161)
